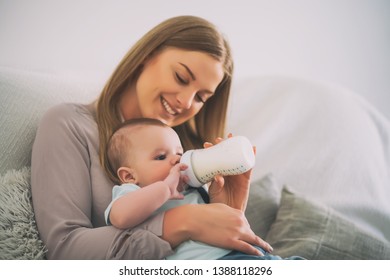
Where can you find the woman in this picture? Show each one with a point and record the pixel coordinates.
(180, 73)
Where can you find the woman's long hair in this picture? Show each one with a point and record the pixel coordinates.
(183, 32)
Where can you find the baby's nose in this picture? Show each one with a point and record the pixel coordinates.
(175, 159)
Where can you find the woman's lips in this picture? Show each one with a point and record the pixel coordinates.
(168, 107)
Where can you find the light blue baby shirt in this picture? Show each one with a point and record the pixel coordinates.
(189, 250)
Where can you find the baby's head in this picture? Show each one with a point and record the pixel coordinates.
(142, 151)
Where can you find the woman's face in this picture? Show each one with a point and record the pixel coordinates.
(173, 86)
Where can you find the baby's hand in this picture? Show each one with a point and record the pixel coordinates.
(176, 181)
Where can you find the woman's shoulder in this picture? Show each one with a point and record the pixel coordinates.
(69, 110)
(67, 113)
(68, 118)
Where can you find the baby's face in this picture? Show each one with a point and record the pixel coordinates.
(155, 151)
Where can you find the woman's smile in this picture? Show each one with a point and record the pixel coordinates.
(168, 108)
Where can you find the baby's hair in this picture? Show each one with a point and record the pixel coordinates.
(119, 142)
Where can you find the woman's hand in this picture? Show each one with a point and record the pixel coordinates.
(231, 190)
(215, 224)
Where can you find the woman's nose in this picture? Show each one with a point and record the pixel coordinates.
(185, 98)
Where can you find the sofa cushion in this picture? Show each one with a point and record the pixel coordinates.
(315, 231)
(263, 204)
(19, 238)
(24, 97)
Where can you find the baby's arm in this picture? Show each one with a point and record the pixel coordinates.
(135, 207)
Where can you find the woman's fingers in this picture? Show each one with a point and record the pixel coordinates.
(247, 248)
(250, 238)
(247, 242)
(217, 140)
(261, 243)
(207, 145)
(219, 180)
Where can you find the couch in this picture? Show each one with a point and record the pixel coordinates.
(321, 184)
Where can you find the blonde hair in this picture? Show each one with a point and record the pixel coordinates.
(119, 145)
(183, 32)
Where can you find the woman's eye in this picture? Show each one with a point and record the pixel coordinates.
(200, 99)
(160, 157)
(181, 80)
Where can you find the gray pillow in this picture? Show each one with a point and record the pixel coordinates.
(19, 238)
(25, 97)
(263, 204)
(314, 231)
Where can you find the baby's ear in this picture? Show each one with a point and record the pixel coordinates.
(127, 175)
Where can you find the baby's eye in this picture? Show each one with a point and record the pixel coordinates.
(160, 157)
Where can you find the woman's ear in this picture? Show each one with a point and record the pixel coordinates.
(127, 175)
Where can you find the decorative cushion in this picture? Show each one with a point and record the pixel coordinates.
(19, 237)
(314, 231)
(263, 204)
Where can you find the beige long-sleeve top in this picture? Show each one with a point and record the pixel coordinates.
(70, 193)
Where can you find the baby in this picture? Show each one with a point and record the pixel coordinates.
(144, 157)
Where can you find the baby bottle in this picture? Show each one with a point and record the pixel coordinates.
(232, 156)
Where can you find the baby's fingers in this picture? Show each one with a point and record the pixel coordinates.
(178, 196)
(180, 167)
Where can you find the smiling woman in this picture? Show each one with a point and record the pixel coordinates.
(179, 73)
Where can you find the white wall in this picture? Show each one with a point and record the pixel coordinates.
(341, 41)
